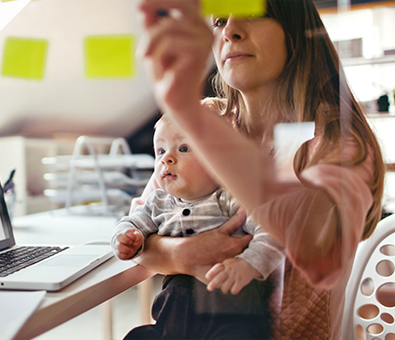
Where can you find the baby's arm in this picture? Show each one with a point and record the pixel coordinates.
(231, 275)
(127, 243)
(131, 231)
(262, 256)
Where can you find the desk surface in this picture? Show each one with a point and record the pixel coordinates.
(104, 282)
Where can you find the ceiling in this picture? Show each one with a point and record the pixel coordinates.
(65, 100)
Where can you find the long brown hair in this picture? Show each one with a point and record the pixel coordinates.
(312, 87)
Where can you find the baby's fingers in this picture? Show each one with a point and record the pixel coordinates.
(124, 239)
(214, 271)
(236, 288)
(219, 279)
(122, 251)
(137, 238)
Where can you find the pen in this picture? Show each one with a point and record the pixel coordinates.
(162, 13)
(9, 183)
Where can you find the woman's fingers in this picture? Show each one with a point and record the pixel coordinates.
(177, 46)
(235, 245)
(166, 33)
(156, 10)
(233, 223)
(167, 54)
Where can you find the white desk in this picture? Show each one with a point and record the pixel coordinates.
(106, 281)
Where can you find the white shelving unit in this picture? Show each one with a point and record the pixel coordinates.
(24, 155)
(390, 59)
(100, 177)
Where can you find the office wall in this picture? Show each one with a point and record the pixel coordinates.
(373, 76)
(65, 100)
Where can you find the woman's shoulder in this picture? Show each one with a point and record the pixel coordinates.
(215, 103)
(340, 156)
(219, 105)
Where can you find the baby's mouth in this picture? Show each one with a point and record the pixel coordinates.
(169, 175)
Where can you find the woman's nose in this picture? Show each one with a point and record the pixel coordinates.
(233, 30)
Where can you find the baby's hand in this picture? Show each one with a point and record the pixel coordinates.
(128, 243)
(231, 276)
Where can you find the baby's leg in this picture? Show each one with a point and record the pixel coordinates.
(143, 332)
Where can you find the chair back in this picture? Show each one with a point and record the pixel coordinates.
(369, 311)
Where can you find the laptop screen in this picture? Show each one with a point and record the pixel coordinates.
(6, 235)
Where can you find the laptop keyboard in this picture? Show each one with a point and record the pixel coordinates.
(22, 257)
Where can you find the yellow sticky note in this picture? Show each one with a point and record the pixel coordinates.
(109, 56)
(24, 58)
(238, 8)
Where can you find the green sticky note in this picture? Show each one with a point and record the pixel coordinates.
(24, 58)
(109, 56)
(238, 8)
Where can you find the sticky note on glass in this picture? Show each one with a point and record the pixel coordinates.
(24, 58)
(109, 56)
(288, 138)
(238, 8)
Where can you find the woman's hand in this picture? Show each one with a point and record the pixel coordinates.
(215, 246)
(177, 46)
(194, 255)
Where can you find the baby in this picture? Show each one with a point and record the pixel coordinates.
(191, 202)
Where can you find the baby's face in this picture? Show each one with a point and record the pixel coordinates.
(177, 169)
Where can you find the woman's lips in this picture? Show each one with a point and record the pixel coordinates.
(236, 56)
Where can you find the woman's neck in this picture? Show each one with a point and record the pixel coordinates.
(259, 114)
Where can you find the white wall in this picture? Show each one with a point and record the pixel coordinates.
(376, 27)
(65, 101)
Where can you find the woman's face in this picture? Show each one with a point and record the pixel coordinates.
(250, 53)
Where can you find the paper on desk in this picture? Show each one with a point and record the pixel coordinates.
(15, 308)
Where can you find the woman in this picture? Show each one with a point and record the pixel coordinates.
(281, 67)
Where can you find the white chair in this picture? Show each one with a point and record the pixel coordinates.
(369, 311)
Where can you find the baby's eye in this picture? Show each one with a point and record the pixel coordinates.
(160, 152)
(219, 22)
(184, 148)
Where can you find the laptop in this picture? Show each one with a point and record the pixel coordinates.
(46, 268)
